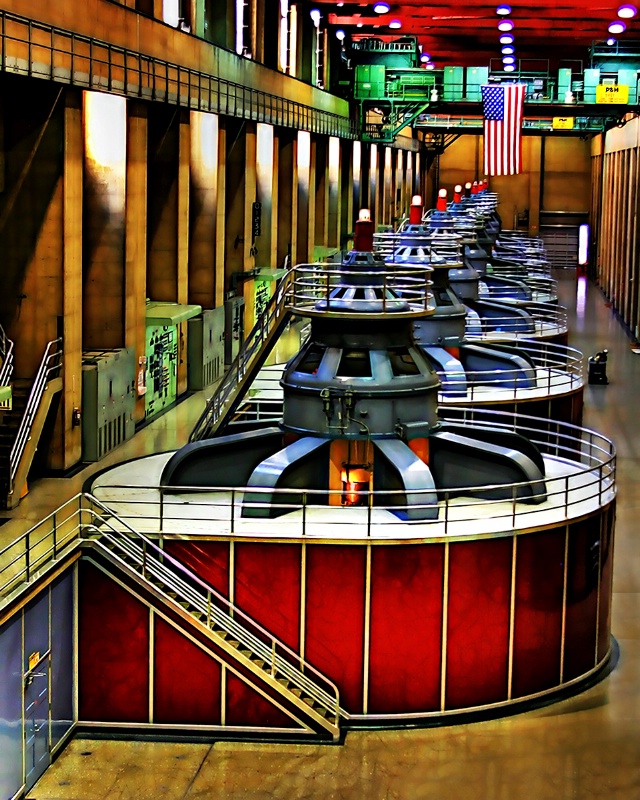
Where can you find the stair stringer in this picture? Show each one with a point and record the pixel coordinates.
(311, 725)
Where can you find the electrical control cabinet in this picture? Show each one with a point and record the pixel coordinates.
(233, 327)
(205, 349)
(162, 368)
(108, 401)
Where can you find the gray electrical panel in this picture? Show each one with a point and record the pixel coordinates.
(108, 401)
(233, 327)
(205, 349)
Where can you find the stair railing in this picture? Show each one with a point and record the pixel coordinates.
(6, 359)
(49, 368)
(227, 389)
(213, 610)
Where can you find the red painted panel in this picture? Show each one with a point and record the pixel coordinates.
(246, 707)
(606, 578)
(406, 628)
(582, 597)
(538, 611)
(186, 680)
(209, 560)
(478, 622)
(113, 650)
(335, 617)
(267, 587)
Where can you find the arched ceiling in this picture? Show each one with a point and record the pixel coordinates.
(465, 32)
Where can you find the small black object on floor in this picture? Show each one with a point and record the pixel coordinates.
(598, 368)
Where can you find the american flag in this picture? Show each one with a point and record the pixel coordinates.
(502, 109)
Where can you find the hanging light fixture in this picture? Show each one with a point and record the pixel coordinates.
(611, 41)
(340, 34)
(506, 38)
(315, 16)
(395, 23)
(509, 68)
(508, 60)
(508, 50)
(381, 8)
(425, 57)
(617, 26)
(627, 11)
(503, 10)
(505, 25)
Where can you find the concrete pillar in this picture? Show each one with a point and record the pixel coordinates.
(221, 209)
(203, 209)
(320, 233)
(250, 196)
(287, 196)
(182, 245)
(536, 167)
(359, 194)
(267, 195)
(104, 220)
(67, 441)
(306, 197)
(388, 200)
(346, 191)
(374, 205)
(334, 194)
(136, 238)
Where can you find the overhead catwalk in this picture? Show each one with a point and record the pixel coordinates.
(428, 566)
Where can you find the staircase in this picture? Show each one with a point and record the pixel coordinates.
(308, 697)
(9, 424)
(246, 364)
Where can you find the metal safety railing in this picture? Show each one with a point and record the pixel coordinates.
(6, 362)
(39, 50)
(580, 479)
(85, 522)
(557, 370)
(49, 368)
(543, 319)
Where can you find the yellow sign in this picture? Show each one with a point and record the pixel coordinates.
(33, 660)
(612, 94)
(562, 123)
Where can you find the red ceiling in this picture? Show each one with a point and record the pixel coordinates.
(466, 33)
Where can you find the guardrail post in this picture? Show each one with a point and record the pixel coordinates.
(27, 554)
(55, 535)
(273, 658)
(161, 509)
(233, 509)
(304, 513)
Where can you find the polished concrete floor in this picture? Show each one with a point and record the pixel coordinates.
(586, 748)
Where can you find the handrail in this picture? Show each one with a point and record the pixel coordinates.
(75, 523)
(544, 319)
(153, 562)
(6, 358)
(50, 364)
(227, 390)
(582, 479)
(58, 54)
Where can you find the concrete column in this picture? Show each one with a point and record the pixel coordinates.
(221, 209)
(388, 199)
(536, 167)
(105, 118)
(320, 233)
(250, 194)
(267, 195)
(334, 194)
(182, 230)
(67, 442)
(346, 191)
(287, 196)
(235, 161)
(203, 208)
(136, 238)
(359, 194)
(401, 202)
(374, 205)
(306, 197)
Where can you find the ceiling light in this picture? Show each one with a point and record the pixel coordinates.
(430, 65)
(395, 23)
(611, 41)
(617, 27)
(381, 8)
(509, 68)
(339, 5)
(315, 16)
(508, 60)
(505, 25)
(340, 34)
(627, 11)
(506, 38)
(359, 25)
(508, 50)
(503, 10)
(425, 57)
